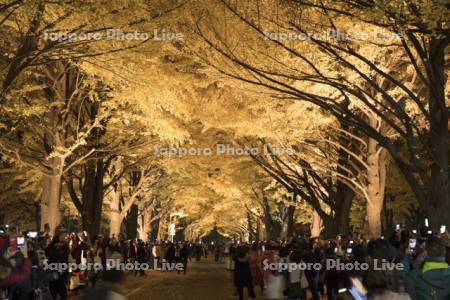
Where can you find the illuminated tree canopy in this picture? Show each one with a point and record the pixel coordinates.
(258, 117)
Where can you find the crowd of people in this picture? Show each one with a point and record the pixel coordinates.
(405, 266)
(26, 264)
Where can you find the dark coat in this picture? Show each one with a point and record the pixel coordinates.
(141, 254)
(242, 274)
(184, 253)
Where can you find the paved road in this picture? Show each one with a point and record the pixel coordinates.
(203, 281)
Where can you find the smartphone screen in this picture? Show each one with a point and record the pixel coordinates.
(20, 241)
(412, 243)
(349, 250)
(443, 229)
(32, 234)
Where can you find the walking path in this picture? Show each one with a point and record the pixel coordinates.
(203, 281)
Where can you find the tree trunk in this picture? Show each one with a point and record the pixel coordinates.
(92, 196)
(54, 213)
(132, 222)
(115, 223)
(155, 229)
(439, 118)
(261, 230)
(51, 196)
(270, 225)
(330, 227)
(145, 228)
(140, 225)
(344, 200)
(290, 222)
(37, 215)
(258, 234)
(116, 217)
(315, 224)
(44, 225)
(338, 221)
(374, 218)
(162, 228)
(251, 233)
(51, 183)
(376, 173)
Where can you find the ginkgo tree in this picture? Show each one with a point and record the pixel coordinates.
(46, 131)
(327, 92)
(395, 70)
(135, 186)
(38, 32)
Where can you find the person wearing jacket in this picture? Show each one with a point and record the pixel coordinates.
(58, 253)
(297, 282)
(170, 253)
(254, 258)
(432, 280)
(39, 280)
(242, 274)
(274, 281)
(141, 256)
(18, 276)
(184, 254)
(11, 276)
